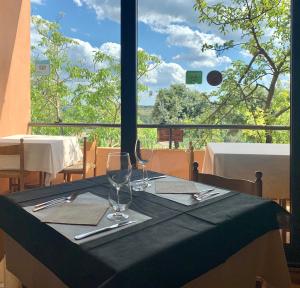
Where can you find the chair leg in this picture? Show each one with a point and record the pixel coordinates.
(259, 283)
(42, 179)
(69, 177)
(10, 185)
(19, 185)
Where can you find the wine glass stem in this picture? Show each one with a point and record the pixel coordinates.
(118, 200)
(144, 173)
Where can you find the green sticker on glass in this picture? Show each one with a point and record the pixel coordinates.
(193, 77)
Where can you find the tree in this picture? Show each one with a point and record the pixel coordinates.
(250, 87)
(178, 104)
(77, 93)
(49, 94)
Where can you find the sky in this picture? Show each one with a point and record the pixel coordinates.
(167, 28)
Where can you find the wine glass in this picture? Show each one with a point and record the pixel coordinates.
(118, 171)
(143, 158)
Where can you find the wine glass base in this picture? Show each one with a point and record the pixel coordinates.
(139, 185)
(117, 216)
(138, 188)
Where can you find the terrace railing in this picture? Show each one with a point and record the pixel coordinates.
(171, 127)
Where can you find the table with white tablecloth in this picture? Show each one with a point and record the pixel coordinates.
(49, 154)
(242, 160)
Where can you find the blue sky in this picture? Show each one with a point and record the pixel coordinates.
(168, 29)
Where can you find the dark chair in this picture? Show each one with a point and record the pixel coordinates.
(15, 176)
(82, 167)
(244, 186)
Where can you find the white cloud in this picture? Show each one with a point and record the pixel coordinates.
(246, 54)
(173, 18)
(167, 11)
(39, 2)
(74, 30)
(193, 41)
(77, 2)
(104, 9)
(83, 54)
(164, 75)
(112, 49)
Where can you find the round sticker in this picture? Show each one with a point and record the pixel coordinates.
(214, 78)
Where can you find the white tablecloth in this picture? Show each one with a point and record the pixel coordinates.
(49, 154)
(263, 257)
(241, 160)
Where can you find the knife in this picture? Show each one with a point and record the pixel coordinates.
(157, 177)
(107, 228)
(153, 178)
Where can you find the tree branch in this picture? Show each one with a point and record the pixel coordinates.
(283, 110)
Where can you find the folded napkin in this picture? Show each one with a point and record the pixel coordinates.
(83, 211)
(175, 187)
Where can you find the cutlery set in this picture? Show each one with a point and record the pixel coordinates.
(65, 199)
(70, 198)
(201, 195)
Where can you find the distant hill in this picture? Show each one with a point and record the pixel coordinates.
(145, 114)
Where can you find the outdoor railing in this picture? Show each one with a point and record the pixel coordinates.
(167, 126)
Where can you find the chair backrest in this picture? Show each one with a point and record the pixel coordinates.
(191, 160)
(239, 185)
(16, 150)
(89, 156)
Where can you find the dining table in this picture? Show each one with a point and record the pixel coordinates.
(242, 160)
(223, 240)
(44, 153)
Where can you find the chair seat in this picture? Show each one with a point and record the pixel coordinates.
(77, 168)
(12, 173)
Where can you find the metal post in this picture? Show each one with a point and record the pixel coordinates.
(128, 76)
(170, 138)
(295, 124)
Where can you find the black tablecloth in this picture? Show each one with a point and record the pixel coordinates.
(177, 245)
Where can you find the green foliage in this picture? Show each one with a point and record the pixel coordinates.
(251, 92)
(74, 93)
(178, 104)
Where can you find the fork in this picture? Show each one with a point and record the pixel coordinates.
(206, 195)
(63, 198)
(66, 199)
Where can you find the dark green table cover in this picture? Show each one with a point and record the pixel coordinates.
(177, 245)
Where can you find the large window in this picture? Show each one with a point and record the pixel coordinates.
(215, 62)
(76, 66)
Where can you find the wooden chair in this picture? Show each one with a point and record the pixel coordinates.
(244, 186)
(82, 167)
(191, 160)
(16, 177)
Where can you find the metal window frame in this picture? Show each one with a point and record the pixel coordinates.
(292, 250)
(129, 26)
